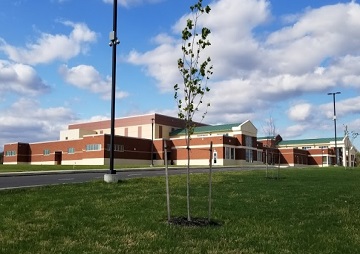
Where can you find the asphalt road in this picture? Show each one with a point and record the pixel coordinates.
(26, 180)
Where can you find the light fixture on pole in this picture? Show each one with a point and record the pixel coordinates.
(336, 150)
(152, 142)
(113, 42)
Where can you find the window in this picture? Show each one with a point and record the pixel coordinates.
(117, 147)
(229, 153)
(259, 155)
(324, 159)
(160, 131)
(306, 147)
(10, 153)
(93, 147)
(323, 147)
(248, 141)
(46, 152)
(249, 155)
(71, 150)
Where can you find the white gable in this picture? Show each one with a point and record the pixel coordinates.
(246, 128)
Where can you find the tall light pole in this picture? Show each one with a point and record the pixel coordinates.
(152, 142)
(336, 151)
(113, 42)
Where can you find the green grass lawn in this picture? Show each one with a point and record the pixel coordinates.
(305, 211)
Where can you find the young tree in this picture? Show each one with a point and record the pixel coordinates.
(195, 72)
(351, 136)
(270, 131)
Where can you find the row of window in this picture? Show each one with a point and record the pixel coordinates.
(230, 151)
(309, 147)
(93, 147)
(89, 147)
(70, 150)
(117, 147)
(10, 153)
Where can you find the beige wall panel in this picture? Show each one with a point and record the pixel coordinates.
(43, 163)
(198, 162)
(75, 134)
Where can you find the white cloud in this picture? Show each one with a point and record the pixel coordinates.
(161, 64)
(294, 131)
(301, 112)
(316, 36)
(310, 118)
(20, 79)
(163, 39)
(49, 47)
(344, 107)
(88, 78)
(239, 49)
(130, 3)
(26, 121)
(254, 70)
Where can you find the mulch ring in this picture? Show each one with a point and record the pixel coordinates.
(194, 222)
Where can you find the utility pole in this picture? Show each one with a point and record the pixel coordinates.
(113, 43)
(336, 150)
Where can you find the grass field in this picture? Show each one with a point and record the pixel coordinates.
(305, 211)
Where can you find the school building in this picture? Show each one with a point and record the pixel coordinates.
(144, 139)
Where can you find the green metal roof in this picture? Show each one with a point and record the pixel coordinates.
(309, 141)
(207, 129)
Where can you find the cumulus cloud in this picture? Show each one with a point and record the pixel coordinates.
(20, 79)
(130, 3)
(49, 47)
(254, 68)
(294, 131)
(316, 37)
(309, 117)
(160, 64)
(26, 121)
(88, 78)
(301, 112)
(344, 107)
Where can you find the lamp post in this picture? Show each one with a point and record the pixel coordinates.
(336, 151)
(113, 42)
(152, 142)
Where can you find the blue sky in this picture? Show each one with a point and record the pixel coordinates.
(272, 59)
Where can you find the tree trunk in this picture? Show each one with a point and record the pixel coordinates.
(167, 183)
(188, 179)
(278, 171)
(210, 180)
(267, 164)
